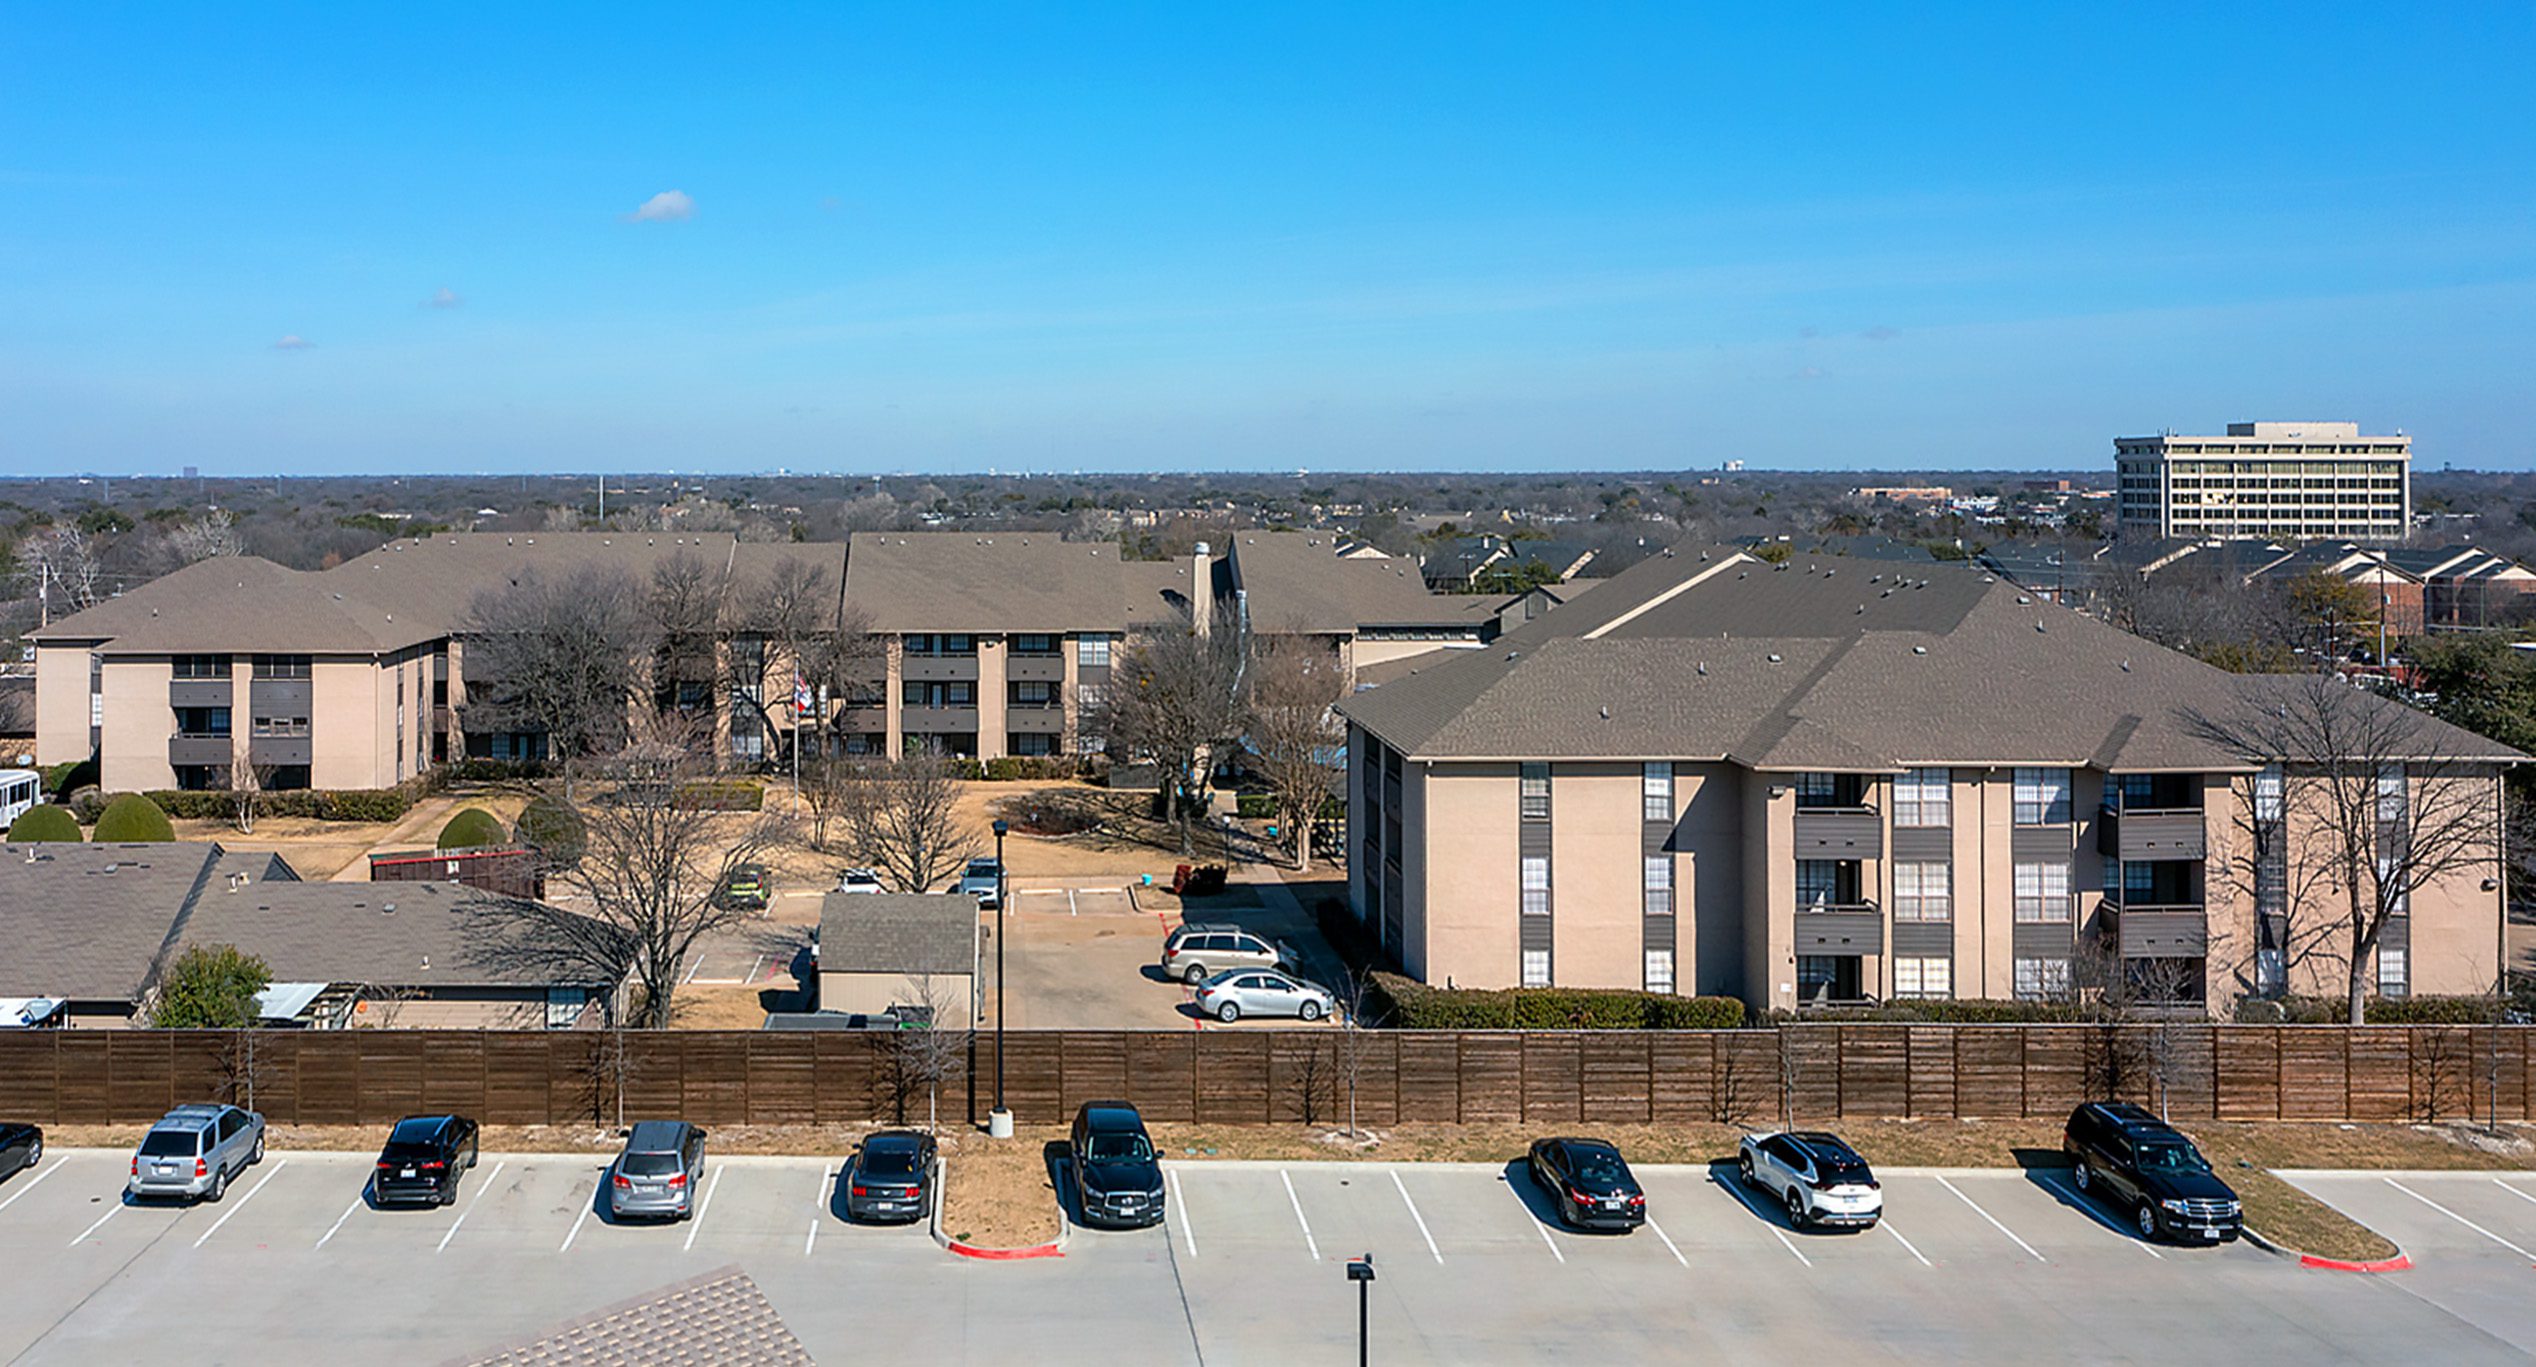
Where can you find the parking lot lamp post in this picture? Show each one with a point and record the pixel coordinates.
(999, 1122)
(1361, 1272)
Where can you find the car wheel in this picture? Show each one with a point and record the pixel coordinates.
(2084, 1178)
(34, 1155)
(1796, 1209)
(1193, 975)
(1744, 1165)
(2147, 1216)
(258, 1155)
(449, 1193)
(1310, 1011)
(219, 1185)
(1228, 1013)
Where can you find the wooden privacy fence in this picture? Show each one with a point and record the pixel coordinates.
(370, 1077)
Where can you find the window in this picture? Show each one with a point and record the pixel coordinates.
(1655, 788)
(1817, 790)
(1089, 698)
(938, 692)
(2267, 794)
(1034, 643)
(1659, 884)
(1536, 885)
(1033, 693)
(1535, 787)
(2390, 793)
(2041, 979)
(1092, 651)
(1032, 743)
(2271, 971)
(2042, 892)
(281, 726)
(1923, 892)
(2139, 882)
(2391, 979)
(2042, 797)
(1659, 970)
(202, 721)
(1091, 745)
(281, 666)
(1817, 882)
(1923, 977)
(200, 666)
(1923, 797)
(1536, 968)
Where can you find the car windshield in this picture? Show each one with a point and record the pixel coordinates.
(981, 868)
(889, 1162)
(1118, 1148)
(2171, 1157)
(650, 1164)
(1599, 1167)
(168, 1144)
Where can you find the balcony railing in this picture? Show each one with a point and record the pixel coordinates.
(2151, 833)
(1839, 833)
(2161, 930)
(185, 748)
(1839, 928)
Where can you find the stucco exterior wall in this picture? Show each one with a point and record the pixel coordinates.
(61, 703)
(138, 721)
(1596, 894)
(1469, 901)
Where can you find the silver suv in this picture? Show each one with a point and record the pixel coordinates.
(657, 1172)
(194, 1152)
(1195, 953)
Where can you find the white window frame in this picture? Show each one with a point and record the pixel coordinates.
(1924, 797)
(1655, 791)
(1659, 971)
(1656, 879)
(1535, 883)
(1532, 792)
(2035, 890)
(2041, 979)
(1924, 977)
(2269, 786)
(1092, 651)
(1923, 890)
(2392, 800)
(2394, 972)
(1536, 968)
(2042, 792)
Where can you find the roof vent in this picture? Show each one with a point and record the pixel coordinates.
(237, 881)
(2022, 600)
(1919, 650)
(111, 867)
(1743, 574)
(1606, 714)
(2038, 625)
(509, 542)
(426, 961)
(1702, 667)
(1773, 657)
(2126, 666)
(1875, 579)
(387, 908)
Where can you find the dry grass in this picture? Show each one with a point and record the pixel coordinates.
(1000, 1194)
(728, 1008)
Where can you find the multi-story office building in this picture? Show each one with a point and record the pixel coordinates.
(976, 646)
(1833, 781)
(2307, 480)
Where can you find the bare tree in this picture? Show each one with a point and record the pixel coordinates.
(213, 534)
(1294, 681)
(937, 1054)
(684, 604)
(558, 657)
(1175, 699)
(2377, 792)
(64, 564)
(823, 791)
(650, 868)
(248, 783)
(902, 817)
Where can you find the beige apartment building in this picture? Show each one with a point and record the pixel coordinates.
(1829, 782)
(2305, 480)
(981, 646)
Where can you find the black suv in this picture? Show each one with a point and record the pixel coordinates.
(422, 1159)
(2133, 1158)
(1117, 1178)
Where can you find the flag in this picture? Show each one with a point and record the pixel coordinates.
(801, 695)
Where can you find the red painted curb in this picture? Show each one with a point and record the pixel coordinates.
(1006, 1254)
(2398, 1263)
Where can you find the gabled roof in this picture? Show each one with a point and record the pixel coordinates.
(898, 932)
(386, 934)
(961, 581)
(243, 604)
(86, 922)
(1297, 581)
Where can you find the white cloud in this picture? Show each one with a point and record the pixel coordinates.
(443, 298)
(669, 206)
(293, 342)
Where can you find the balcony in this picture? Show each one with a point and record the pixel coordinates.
(1840, 928)
(927, 721)
(1839, 833)
(184, 749)
(283, 750)
(2151, 833)
(871, 717)
(198, 693)
(2159, 931)
(1034, 668)
(1044, 719)
(278, 697)
(937, 667)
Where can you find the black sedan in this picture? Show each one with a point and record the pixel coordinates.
(20, 1147)
(1589, 1182)
(890, 1177)
(422, 1160)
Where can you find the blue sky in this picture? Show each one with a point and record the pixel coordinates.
(1191, 236)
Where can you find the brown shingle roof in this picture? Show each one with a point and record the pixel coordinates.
(1297, 581)
(958, 581)
(389, 934)
(86, 922)
(241, 603)
(898, 932)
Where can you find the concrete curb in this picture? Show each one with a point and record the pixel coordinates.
(2401, 1262)
(933, 1223)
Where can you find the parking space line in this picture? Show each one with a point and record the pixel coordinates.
(586, 1207)
(1889, 1229)
(358, 1201)
(2495, 1181)
(260, 1184)
(705, 1205)
(820, 1205)
(1668, 1242)
(1414, 1215)
(30, 1185)
(1544, 1230)
(471, 1205)
(1297, 1202)
(1994, 1220)
(2087, 1208)
(1180, 1203)
(1734, 1189)
(2434, 1205)
(101, 1221)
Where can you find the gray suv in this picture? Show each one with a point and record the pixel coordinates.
(657, 1172)
(1194, 953)
(194, 1152)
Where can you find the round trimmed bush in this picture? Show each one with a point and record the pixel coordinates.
(45, 822)
(553, 828)
(133, 818)
(472, 827)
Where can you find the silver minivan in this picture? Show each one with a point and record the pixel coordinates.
(1195, 953)
(194, 1152)
(656, 1173)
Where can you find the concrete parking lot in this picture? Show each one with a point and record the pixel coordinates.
(1980, 1266)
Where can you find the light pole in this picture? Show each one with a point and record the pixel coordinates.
(1361, 1272)
(999, 1122)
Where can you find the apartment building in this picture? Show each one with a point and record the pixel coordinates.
(2307, 480)
(981, 646)
(1834, 782)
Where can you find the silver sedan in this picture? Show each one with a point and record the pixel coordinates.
(1239, 992)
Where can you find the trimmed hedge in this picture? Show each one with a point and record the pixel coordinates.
(368, 805)
(2382, 1011)
(45, 823)
(551, 827)
(1018, 769)
(472, 828)
(1950, 1011)
(133, 818)
(1407, 1004)
(721, 795)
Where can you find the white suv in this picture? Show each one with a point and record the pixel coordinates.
(1816, 1177)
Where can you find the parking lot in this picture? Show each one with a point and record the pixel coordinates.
(1984, 1266)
